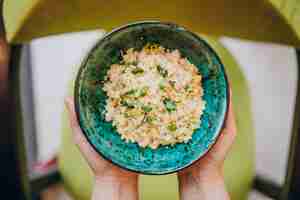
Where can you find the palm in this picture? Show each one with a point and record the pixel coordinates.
(100, 166)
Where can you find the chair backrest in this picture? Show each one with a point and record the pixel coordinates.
(269, 20)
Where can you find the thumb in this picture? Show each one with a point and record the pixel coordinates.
(85, 148)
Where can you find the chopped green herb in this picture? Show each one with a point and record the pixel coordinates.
(125, 66)
(188, 88)
(131, 92)
(161, 86)
(163, 72)
(123, 62)
(133, 113)
(127, 104)
(172, 83)
(172, 127)
(135, 93)
(126, 115)
(150, 119)
(169, 105)
(133, 63)
(143, 92)
(146, 109)
(137, 70)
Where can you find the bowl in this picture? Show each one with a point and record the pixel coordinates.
(90, 99)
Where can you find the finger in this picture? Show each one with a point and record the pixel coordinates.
(77, 133)
(230, 125)
(88, 152)
(226, 137)
(70, 108)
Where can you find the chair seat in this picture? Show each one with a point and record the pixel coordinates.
(239, 165)
(270, 20)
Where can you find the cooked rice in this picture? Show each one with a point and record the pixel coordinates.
(154, 97)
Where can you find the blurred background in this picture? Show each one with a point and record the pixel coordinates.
(36, 73)
(54, 61)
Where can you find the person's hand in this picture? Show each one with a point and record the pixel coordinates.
(204, 179)
(111, 182)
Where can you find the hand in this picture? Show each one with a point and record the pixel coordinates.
(204, 179)
(111, 182)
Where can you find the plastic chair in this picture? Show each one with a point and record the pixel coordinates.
(271, 20)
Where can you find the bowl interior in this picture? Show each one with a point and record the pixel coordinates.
(90, 99)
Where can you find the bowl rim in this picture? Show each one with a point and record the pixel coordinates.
(172, 25)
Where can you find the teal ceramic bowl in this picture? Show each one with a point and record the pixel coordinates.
(90, 99)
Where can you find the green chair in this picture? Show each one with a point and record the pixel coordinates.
(271, 20)
(264, 20)
(77, 177)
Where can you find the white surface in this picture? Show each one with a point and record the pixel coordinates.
(272, 74)
(270, 69)
(257, 196)
(53, 62)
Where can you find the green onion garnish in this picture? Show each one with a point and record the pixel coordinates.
(163, 72)
(169, 105)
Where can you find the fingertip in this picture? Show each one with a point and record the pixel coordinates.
(230, 92)
(230, 119)
(230, 124)
(230, 99)
(77, 136)
(71, 112)
(70, 107)
(69, 103)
